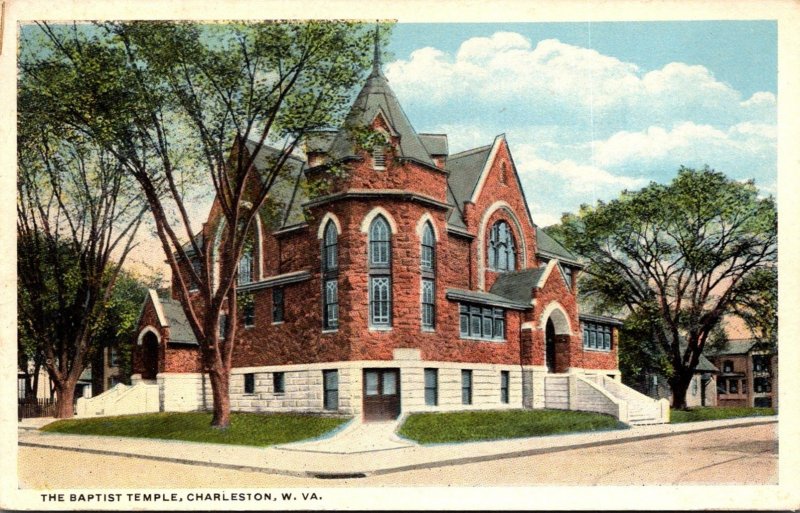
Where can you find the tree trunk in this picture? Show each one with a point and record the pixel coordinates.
(65, 394)
(220, 380)
(680, 385)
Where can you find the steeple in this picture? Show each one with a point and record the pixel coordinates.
(376, 58)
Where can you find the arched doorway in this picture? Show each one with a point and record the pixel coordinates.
(557, 335)
(149, 355)
(550, 346)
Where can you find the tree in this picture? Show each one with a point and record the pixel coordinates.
(74, 213)
(679, 257)
(118, 327)
(178, 101)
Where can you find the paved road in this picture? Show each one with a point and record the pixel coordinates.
(746, 455)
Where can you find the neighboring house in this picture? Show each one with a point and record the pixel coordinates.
(702, 390)
(107, 369)
(418, 282)
(748, 374)
(44, 387)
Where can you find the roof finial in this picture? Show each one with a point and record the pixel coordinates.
(376, 59)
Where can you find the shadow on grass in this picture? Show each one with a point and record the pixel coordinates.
(716, 413)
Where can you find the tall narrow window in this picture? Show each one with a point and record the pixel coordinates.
(567, 276)
(428, 271)
(502, 252)
(246, 268)
(431, 387)
(223, 325)
(380, 283)
(249, 313)
(466, 387)
(504, 378)
(197, 266)
(277, 304)
(330, 389)
(330, 276)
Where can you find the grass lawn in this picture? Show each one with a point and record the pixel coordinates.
(245, 429)
(697, 414)
(428, 428)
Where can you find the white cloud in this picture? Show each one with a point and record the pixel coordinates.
(581, 125)
(558, 83)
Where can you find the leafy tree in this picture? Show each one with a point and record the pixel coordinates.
(679, 258)
(77, 216)
(175, 103)
(118, 326)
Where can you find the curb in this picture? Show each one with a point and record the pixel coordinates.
(354, 474)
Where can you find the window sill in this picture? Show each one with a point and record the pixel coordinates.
(331, 330)
(277, 323)
(428, 330)
(251, 394)
(248, 326)
(595, 350)
(479, 339)
(380, 328)
(279, 393)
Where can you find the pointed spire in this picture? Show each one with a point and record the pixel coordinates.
(376, 59)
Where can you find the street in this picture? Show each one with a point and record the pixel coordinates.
(742, 455)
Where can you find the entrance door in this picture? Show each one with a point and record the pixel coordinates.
(550, 346)
(381, 394)
(149, 356)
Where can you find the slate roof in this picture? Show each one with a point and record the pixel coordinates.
(487, 298)
(287, 194)
(517, 286)
(739, 346)
(179, 330)
(376, 96)
(435, 144)
(705, 365)
(464, 170)
(548, 246)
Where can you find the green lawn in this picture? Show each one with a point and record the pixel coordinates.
(428, 428)
(698, 414)
(245, 429)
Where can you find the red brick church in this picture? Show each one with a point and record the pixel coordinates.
(418, 282)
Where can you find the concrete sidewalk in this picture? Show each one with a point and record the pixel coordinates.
(358, 450)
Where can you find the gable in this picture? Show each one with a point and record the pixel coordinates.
(500, 153)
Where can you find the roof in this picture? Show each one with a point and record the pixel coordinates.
(739, 346)
(377, 97)
(436, 144)
(602, 319)
(517, 286)
(486, 298)
(464, 170)
(705, 365)
(287, 194)
(548, 246)
(179, 330)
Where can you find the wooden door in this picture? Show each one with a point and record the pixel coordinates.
(550, 346)
(149, 356)
(381, 394)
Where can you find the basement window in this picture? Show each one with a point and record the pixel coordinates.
(249, 383)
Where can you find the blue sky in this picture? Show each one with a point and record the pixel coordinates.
(591, 109)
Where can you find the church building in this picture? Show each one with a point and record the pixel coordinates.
(418, 282)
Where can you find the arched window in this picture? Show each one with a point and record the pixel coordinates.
(246, 267)
(380, 281)
(502, 253)
(379, 243)
(428, 283)
(330, 250)
(330, 273)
